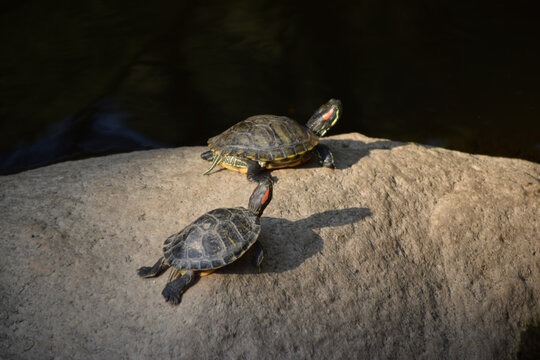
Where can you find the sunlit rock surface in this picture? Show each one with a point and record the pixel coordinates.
(403, 251)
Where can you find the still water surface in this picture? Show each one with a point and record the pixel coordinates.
(93, 78)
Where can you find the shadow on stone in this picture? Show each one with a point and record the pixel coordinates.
(346, 153)
(529, 343)
(287, 244)
(349, 152)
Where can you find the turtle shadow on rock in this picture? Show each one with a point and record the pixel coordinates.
(287, 244)
(349, 152)
(346, 154)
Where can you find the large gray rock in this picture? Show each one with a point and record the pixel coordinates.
(403, 251)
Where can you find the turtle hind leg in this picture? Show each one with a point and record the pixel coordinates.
(216, 160)
(177, 285)
(326, 159)
(208, 155)
(152, 271)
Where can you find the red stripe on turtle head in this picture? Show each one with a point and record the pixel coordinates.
(265, 197)
(328, 114)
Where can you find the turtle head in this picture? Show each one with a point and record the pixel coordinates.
(325, 117)
(260, 197)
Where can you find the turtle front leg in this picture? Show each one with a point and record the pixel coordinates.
(326, 159)
(258, 256)
(177, 285)
(256, 173)
(152, 271)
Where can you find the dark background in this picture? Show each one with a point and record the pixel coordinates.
(91, 78)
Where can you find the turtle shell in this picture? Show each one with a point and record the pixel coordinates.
(264, 138)
(215, 239)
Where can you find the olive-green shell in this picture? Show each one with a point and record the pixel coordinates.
(266, 138)
(216, 239)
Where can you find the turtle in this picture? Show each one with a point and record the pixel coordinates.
(215, 239)
(271, 142)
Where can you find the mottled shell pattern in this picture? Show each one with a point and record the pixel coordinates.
(264, 138)
(216, 239)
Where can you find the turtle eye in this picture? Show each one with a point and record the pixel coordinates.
(328, 114)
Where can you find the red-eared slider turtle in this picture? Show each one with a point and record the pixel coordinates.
(215, 239)
(270, 142)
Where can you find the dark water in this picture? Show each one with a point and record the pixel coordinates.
(92, 78)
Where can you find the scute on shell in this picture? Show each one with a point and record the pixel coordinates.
(264, 137)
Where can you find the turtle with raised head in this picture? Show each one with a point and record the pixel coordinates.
(271, 142)
(215, 239)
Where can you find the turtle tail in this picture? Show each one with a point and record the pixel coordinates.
(218, 159)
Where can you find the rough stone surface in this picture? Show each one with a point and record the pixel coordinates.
(403, 251)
